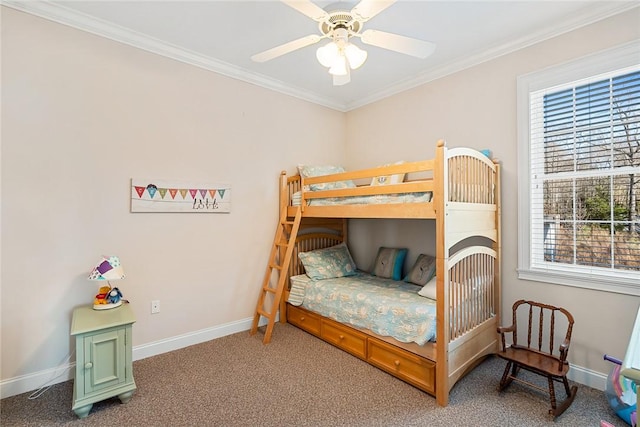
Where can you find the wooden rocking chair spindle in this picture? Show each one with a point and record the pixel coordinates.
(538, 355)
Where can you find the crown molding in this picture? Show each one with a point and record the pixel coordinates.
(81, 21)
(593, 15)
(67, 16)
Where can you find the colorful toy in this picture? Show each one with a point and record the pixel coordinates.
(101, 297)
(621, 393)
(107, 297)
(114, 296)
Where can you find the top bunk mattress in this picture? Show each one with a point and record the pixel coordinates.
(387, 307)
(377, 199)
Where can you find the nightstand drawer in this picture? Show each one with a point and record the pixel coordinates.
(347, 339)
(414, 369)
(303, 319)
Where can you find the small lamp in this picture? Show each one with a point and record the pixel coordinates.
(109, 268)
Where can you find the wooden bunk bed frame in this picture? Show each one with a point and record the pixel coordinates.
(465, 203)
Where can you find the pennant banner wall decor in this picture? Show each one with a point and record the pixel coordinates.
(156, 195)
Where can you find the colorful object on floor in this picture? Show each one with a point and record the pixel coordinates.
(107, 269)
(621, 393)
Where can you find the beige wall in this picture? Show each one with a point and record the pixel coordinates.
(477, 108)
(81, 116)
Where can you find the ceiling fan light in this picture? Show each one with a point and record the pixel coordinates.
(327, 54)
(339, 67)
(355, 55)
(342, 80)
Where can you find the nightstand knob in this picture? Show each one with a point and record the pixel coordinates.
(88, 365)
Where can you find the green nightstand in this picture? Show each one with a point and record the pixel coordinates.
(103, 356)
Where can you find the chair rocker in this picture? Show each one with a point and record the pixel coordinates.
(537, 355)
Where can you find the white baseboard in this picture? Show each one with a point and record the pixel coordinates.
(588, 377)
(33, 381)
(185, 340)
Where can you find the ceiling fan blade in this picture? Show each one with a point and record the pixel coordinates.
(367, 9)
(398, 43)
(286, 48)
(306, 7)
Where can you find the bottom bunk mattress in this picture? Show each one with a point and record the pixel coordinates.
(387, 307)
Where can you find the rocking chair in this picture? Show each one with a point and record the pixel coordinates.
(538, 355)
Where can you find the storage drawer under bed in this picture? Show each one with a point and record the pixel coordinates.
(412, 368)
(304, 320)
(347, 339)
(415, 370)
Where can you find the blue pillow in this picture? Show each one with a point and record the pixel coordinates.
(389, 262)
(327, 263)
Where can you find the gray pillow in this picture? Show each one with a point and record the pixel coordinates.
(422, 271)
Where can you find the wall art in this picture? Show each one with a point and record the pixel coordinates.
(157, 195)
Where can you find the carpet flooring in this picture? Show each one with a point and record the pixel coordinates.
(298, 380)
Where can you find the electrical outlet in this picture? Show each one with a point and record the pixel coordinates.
(155, 306)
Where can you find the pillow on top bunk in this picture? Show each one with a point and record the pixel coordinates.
(389, 179)
(429, 290)
(389, 262)
(311, 171)
(422, 271)
(327, 263)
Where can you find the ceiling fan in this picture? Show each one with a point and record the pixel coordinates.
(340, 55)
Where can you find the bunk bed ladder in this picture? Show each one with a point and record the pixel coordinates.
(279, 261)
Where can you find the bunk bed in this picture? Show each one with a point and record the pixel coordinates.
(459, 190)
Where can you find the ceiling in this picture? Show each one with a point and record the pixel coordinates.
(223, 35)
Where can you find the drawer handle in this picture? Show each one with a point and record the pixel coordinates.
(302, 318)
(88, 365)
(397, 362)
(341, 337)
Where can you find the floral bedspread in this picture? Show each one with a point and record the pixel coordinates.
(384, 306)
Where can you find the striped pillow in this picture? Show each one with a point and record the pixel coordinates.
(389, 262)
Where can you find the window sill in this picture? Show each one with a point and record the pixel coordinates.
(594, 282)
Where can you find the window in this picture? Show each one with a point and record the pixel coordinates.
(579, 172)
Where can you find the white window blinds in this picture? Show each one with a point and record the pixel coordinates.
(585, 176)
(583, 179)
